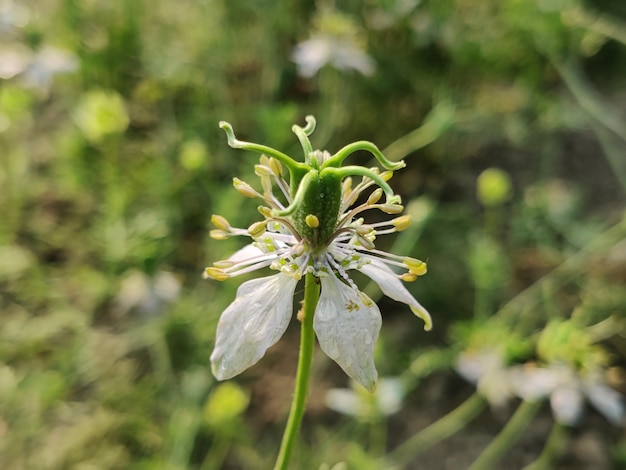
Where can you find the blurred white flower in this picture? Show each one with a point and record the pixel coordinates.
(322, 49)
(45, 64)
(487, 370)
(35, 69)
(147, 294)
(13, 15)
(355, 401)
(567, 391)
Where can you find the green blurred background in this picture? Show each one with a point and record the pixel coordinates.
(509, 115)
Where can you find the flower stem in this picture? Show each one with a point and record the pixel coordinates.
(507, 437)
(552, 450)
(307, 343)
(439, 430)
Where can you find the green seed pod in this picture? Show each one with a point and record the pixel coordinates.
(322, 198)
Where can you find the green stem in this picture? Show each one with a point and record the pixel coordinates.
(507, 437)
(307, 343)
(553, 448)
(445, 427)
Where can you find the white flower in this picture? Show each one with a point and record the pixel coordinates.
(313, 54)
(487, 369)
(356, 402)
(293, 241)
(567, 391)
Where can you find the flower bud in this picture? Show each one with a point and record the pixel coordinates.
(493, 187)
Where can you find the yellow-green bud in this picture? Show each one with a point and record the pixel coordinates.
(493, 187)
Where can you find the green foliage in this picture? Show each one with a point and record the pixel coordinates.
(111, 164)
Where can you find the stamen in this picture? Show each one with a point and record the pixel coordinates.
(219, 234)
(276, 167)
(415, 266)
(391, 208)
(375, 196)
(401, 223)
(215, 273)
(257, 229)
(224, 264)
(245, 189)
(220, 222)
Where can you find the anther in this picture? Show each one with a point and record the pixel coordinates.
(276, 167)
(262, 170)
(415, 266)
(257, 229)
(391, 209)
(364, 229)
(265, 211)
(244, 188)
(215, 273)
(401, 223)
(386, 175)
(220, 222)
(375, 196)
(219, 234)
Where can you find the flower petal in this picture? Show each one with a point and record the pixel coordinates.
(567, 404)
(607, 401)
(247, 252)
(393, 288)
(347, 328)
(255, 320)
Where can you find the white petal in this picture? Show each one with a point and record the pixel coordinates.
(347, 328)
(607, 401)
(345, 401)
(567, 404)
(392, 287)
(532, 383)
(255, 320)
(247, 252)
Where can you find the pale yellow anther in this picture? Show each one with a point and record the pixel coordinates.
(266, 182)
(347, 183)
(220, 222)
(408, 277)
(219, 234)
(265, 211)
(365, 243)
(392, 209)
(401, 223)
(257, 229)
(298, 250)
(262, 170)
(264, 160)
(312, 221)
(375, 196)
(224, 264)
(244, 188)
(415, 266)
(365, 299)
(215, 273)
(276, 167)
(386, 175)
(364, 229)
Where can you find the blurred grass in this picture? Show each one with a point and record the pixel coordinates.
(111, 164)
